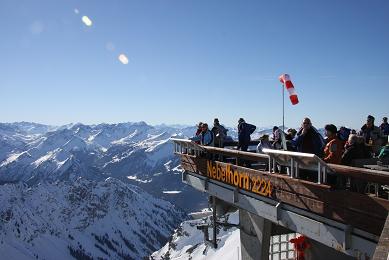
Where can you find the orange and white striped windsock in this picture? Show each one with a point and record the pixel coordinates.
(285, 80)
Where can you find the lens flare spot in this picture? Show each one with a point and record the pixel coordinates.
(76, 11)
(85, 19)
(123, 58)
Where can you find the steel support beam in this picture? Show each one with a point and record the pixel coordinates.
(255, 234)
(331, 233)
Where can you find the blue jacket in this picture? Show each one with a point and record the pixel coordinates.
(206, 139)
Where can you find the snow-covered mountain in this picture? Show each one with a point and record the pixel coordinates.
(16, 135)
(83, 190)
(136, 153)
(133, 152)
(75, 190)
(84, 219)
(187, 241)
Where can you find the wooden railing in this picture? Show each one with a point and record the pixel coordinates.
(184, 146)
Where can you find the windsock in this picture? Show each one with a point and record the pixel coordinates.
(285, 79)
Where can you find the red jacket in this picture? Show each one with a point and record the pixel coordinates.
(333, 151)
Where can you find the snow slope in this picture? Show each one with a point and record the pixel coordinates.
(187, 242)
(106, 219)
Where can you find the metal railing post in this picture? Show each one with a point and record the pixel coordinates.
(270, 164)
(274, 165)
(319, 173)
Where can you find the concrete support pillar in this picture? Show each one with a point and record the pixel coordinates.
(255, 234)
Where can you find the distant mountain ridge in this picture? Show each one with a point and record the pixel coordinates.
(133, 152)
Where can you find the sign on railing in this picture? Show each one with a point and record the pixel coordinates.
(230, 174)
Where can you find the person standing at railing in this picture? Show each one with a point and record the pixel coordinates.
(244, 132)
(206, 137)
(372, 134)
(308, 139)
(334, 148)
(353, 150)
(277, 139)
(264, 142)
(344, 133)
(220, 133)
(289, 137)
(385, 126)
(198, 131)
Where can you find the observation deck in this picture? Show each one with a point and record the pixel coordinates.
(270, 192)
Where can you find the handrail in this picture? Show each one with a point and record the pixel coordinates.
(375, 176)
(181, 140)
(297, 160)
(299, 154)
(242, 154)
(185, 146)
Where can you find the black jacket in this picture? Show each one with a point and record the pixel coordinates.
(244, 132)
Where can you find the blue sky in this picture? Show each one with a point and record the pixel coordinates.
(191, 61)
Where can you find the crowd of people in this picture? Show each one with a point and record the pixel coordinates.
(339, 146)
(344, 145)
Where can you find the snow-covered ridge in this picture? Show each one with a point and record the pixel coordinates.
(187, 242)
(106, 219)
(24, 156)
(33, 153)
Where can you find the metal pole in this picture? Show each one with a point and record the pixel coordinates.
(214, 241)
(283, 107)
